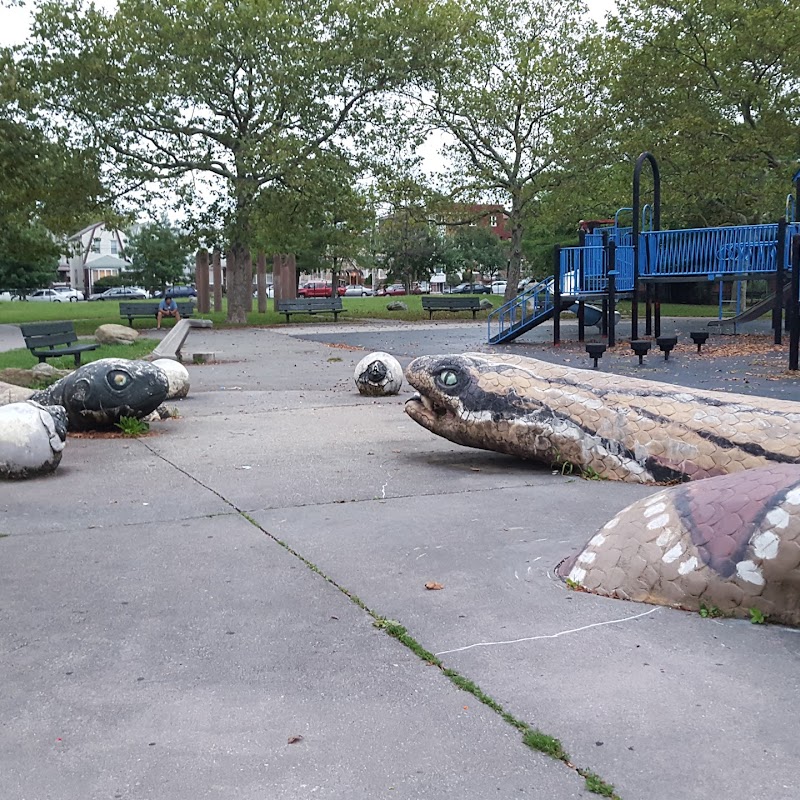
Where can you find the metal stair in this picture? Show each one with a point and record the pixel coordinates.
(524, 312)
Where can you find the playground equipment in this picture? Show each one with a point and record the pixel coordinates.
(619, 260)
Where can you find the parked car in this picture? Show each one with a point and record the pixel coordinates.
(54, 296)
(270, 291)
(121, 293)
(178, 291)
(357, 291)
(318, 289)
(73, 295)
(471, 288)
(391, 290)
(499, 287)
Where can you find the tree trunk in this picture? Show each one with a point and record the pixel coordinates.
(239, 281)
(515, 262)
(239, 284)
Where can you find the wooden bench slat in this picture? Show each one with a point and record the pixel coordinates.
(465, 303)
(311, 305)
(143, 310)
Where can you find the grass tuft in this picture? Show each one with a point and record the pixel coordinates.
(548, 745)
(595, 784)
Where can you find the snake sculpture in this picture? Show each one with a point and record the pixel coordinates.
(731, 541)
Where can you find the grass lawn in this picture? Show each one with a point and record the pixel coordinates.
(88, 316)
(22, 358)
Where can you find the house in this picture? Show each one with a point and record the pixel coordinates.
(486, 215)
(94, 252)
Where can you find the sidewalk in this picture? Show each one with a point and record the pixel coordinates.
(175, 609)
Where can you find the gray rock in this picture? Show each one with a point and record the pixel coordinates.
(32, 438)
(396, 305)
(45, 370)
(12, 393)
(116, 334)
(486, 304)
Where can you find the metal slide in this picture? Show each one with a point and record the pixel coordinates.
(752, 313)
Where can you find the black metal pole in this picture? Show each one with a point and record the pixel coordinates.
(557, 295)
(780, 279)
(648, 309)
(794, 328)
(581, 323)
(637, 174)
(612, 293)
(656, 310)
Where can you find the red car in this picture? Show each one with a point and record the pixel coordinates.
(394, 289)
(318, 289)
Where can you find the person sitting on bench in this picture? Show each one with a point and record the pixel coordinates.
(167, 308)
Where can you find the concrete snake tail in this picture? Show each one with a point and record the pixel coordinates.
(620, 428)
(730, 543)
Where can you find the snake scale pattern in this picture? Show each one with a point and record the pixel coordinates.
(726, 537)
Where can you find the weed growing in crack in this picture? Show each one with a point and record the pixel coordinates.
(549, 745)
(597, 785)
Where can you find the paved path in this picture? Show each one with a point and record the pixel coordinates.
(175, 609)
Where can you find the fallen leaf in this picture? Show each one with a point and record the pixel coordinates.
(433, 585)
(295, 739)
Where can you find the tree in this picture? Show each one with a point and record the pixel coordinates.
(236, 94)
(47, 188)
(320, 214)
(712, 87)
(158, 256)
(410, 248)
(516, 96)
(477, 249)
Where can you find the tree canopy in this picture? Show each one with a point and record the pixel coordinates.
(239, 95)
(516, 98)
(47, 189)
(158, 255)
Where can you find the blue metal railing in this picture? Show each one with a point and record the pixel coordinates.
(710, 252)
(584, 270)
(707, 252)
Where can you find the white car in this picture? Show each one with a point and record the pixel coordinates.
(499, 287)
(73, 295)
(48, 296)
(121, 293)
(357, 291)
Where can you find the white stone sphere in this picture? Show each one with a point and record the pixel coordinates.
(378, 374)
(177, 375)
(32, 438)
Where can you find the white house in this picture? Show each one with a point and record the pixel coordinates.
(94, 252)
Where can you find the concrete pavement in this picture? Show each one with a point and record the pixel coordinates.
(174, 609)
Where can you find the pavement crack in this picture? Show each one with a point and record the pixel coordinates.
(532, 737)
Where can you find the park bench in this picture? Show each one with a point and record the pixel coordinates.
(53, 340)
(311, 305)
(432, 303)
(141, 309)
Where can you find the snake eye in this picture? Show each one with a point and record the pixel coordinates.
(447, 378)
(117, 379)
